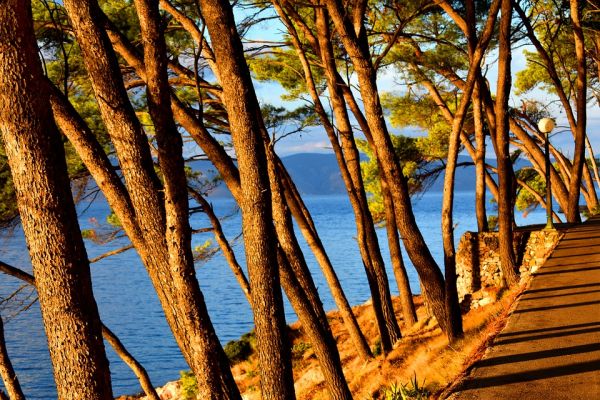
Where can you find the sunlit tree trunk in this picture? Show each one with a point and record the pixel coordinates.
(480, 172)
(259, 236)
(572, 211)
(505, 204)
(349, 161)
(172, 273)
(417, 250)
(302, 295)
(60, 264)
(137, 368)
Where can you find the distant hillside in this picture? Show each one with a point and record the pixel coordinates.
(315, 173)
(318, 174)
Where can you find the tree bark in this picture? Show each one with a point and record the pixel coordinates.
(480, 172)
(416, 248)
(168, 265)
(349, 162)
(476, 52)
(298, 296)
(572, 211)
(36, 158)
(245, 126)
(407, 303)
(308, 230)
(505, 204)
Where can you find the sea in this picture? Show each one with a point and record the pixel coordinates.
(130, 308)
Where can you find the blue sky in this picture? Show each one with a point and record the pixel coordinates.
(315, 139)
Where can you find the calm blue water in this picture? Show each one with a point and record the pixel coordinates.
(129, 306)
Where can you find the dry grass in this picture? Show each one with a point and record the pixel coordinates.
(423, 351)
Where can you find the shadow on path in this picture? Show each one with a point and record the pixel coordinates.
(550, 347)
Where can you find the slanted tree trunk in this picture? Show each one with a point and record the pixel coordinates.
(308, 230)
(226, 248)
(7, 372)
(505, 204)
(429, 272)
(572, 211)
(60, 264)
(480, 195)
(349, 161)
(172, 274)
(480, 172)
(259, 238)
(404, 291)
(305, 303)
(304, 297)
(476, 52)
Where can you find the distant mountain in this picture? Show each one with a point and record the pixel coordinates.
(315, 173)
(318, 174)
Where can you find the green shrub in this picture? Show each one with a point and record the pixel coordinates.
(240, 350)
(407, 391)
(299, 348)
(492, 222)
(189, 386)
(377, 348)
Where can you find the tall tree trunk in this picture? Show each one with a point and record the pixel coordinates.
(349, 161)
(416, 248)
(476, 53)
(307, 309)
(245, 126)
(308, 230)
(404, 291)
(60, 264)
(7, 372)
(480, 172)
(505, 204)
(572, 211)
(173, 277)
(315, 321)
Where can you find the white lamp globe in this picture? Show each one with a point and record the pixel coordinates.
(546, 125)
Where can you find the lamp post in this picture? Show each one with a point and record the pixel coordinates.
(545, 125)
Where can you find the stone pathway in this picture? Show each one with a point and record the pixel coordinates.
(550, 347)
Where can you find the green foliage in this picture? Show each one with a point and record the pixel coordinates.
(492, 222)
(299, 349)
(553, 28)
(240, 350)
(377, 348)
(595, 211)
(407, 391)
(284, 67)
(526, 201)
(281, 122)
(189, 385)
(204, 251)
(112, 219)
(414, 163)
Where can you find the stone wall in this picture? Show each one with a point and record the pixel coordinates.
(478, 258)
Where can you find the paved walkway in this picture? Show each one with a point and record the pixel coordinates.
(550, 347)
